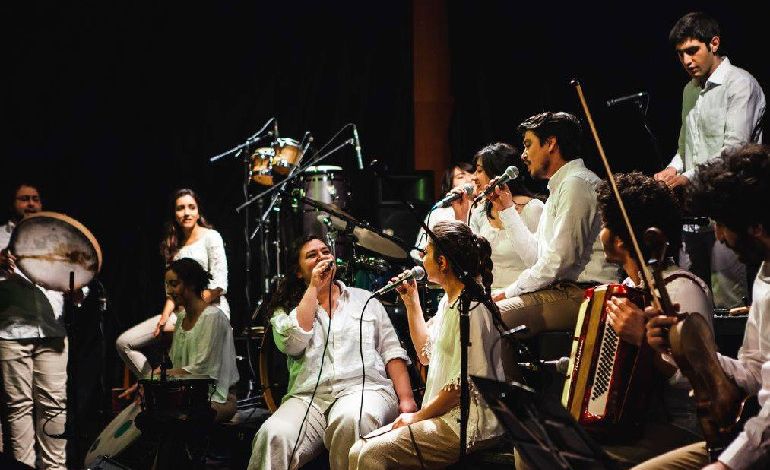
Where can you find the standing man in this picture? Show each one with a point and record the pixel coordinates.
(733, 192)
(33, 353)
(722, 108)
(566, 246)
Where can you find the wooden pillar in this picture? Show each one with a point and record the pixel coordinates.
(432, 100)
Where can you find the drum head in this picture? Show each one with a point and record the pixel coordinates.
(49, 246)
(119, 434)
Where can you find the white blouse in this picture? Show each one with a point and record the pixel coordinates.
(443, 351)
(207, 349)
(209, 252)
(509, 259)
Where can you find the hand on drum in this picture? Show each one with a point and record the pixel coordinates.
(7, 261)
(405, 419)
(499, 295)
(407, 290)
(657, 328)
(407, 406)
(501, 198)
(323, 271)
(627, 320)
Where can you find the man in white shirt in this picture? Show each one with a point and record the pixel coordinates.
(33, 353)
(566, 246)
(733, 192)
(722, 107)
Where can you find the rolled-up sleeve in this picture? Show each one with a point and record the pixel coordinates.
(389, 345)
(289, 337)
(215, 248)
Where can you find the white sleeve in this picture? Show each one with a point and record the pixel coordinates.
(289, 337)
(519, 235)
(215, 249)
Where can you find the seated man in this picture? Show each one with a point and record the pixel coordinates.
(670, 419)
(732, 191)
(316, 324)
(547, 295)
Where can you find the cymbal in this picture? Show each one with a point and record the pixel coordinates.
(365, 236)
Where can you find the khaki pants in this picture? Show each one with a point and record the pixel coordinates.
(438, 444)
(693, 456)
(35, 395)
(137, 337)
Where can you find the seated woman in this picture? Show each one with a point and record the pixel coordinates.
(430, 438)
(316, 322)
(489, 219)
(203, 340)
(188, 235)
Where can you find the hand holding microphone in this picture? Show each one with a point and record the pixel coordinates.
(455, 194)
(320, 274)
(511, 173)
(417, 273)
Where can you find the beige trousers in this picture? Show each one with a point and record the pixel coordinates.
(35, 395)
(438, 446)
(693, 456)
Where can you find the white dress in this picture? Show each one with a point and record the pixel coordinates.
(209, 252)
(207, 349)
(508, 260)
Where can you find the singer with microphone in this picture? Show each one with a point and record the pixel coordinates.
(316, 322)
(456, 176)
(430, 437)
(500, 174)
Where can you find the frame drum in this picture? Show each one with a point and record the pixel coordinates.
(48, 246)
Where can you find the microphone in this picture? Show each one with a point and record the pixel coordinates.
(511, 173)
(416, 273)
(357, 142)
(623, 99)
(451, 197)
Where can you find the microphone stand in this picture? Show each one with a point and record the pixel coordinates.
(254, 138)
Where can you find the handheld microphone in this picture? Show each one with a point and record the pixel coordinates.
(623, 99)
(416, 273)
(511, 173)
(451, 197)
(328, 267)
(357, 143)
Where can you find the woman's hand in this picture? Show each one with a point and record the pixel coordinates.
(158, 329)
(405, 419)
(407, 290)
(462, 205)
(501, 198)
(499, 295)
(322, 272)
(407, 406)
(7, 261)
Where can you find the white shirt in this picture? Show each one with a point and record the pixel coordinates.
(751, 371)
(443, 351)
(509, 260)
(566, 243)
(720, 115)
(20, 319)
(439, 214)
(207, 349)
(342, 367)
(209, 252)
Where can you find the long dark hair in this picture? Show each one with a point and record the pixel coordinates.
(173, 239)
(291, 288)
(449, 175)
(471, 251)
(495, 159)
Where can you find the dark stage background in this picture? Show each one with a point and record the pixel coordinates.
(112, 106)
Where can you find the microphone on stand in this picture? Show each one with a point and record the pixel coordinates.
(623, 99)
(451, 197)
(416, 273)
(357, 143)
(511, 173)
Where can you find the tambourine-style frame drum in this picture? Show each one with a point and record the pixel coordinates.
(262, 166)
(273, 371)
(115, 440)
(287, 153)
(48, 246)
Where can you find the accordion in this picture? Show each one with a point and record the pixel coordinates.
(609, 380)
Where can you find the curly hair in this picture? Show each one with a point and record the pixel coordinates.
(649, 203)
(173, 239)
(565, 127)
(191, 274)
(734, 189)
(694, 25)
(291, 288)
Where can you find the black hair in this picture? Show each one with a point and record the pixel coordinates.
(449, 173)
(191, 274)
(472, 251)
(564, 127)
(495, 159)
(173, 239)
(291, 288)
(734, 189)
(694, 25)
(649, 203)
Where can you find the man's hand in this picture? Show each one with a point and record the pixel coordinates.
(498, 296)
(7, 261)
(627, 320)
(657, 329)
(407, 406)
(676, 181)
(665, 174)
(716, 466)
(405, 419)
